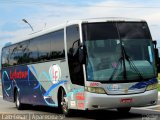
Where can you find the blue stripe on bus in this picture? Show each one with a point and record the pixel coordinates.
(143, 84)
(9, 88)
(5, 72)
(37, 86)
(34, 70)
(28, 76)
(50, 104)
(54, 86)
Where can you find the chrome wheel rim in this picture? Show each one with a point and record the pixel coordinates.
(64, 103)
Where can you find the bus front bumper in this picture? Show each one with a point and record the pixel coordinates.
(104, 101)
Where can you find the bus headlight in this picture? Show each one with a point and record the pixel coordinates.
(153, 86)
(95, 90)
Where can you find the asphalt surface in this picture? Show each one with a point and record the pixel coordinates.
(0, 88)
(8, 111)
(39, 112)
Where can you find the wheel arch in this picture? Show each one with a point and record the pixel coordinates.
(14, 93)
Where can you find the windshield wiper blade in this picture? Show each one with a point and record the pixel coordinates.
(132, 65)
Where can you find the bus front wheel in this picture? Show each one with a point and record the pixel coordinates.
(63, 104)
(124, 110)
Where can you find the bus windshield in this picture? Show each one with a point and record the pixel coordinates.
(118, 51)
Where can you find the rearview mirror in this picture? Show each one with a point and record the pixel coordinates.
(157, 59)
(155, 43)
(156, 55)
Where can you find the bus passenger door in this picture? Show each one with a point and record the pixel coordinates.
(75, 68)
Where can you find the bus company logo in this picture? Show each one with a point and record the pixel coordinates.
(113, 87)
(18, 74)
(55, 73)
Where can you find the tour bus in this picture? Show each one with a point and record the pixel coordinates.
(88, 64)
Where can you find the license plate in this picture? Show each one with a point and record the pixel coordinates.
(126, 100)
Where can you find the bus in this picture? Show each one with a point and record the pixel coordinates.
(88, 64)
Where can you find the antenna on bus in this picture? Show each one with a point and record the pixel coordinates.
(24, 20)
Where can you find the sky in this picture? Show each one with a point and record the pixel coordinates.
(42, 14)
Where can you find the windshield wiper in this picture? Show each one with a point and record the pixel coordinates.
(131, 63)
(122, 62)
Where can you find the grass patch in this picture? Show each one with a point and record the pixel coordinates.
(158, 87)
(158, 76)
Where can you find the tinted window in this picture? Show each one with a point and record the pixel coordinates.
(134, 30)
(57, 44)
(22, 52)
(13, 51)
(75, 68)
(73, 39)
(33, 50)
(43, 44)
(118, 51)
(5, 57)
(42, 48)
(100, 31)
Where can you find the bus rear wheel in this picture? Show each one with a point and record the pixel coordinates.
(18, 104)
(124, 110)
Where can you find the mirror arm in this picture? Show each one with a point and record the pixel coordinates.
(155, 43)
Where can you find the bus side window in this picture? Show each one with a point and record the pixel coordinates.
(57, 45)
(5, 57)
(13, 51)
(75, 68)
(33, 50)
(22, 53)
(43, 48)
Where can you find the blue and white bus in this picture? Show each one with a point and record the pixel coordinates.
(83, 65)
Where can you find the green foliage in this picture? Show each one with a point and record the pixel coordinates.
(158, 88)
(158, 76)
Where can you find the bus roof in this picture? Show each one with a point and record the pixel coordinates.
(107, 19)
(87, 20)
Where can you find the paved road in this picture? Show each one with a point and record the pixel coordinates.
(0, 89)
(8, 111)
(7, 108)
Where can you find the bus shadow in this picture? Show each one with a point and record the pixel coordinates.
(94, 114)
(105, 115)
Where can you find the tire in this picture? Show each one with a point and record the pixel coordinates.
(63, 104)
(124, 110)
(18, 103)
